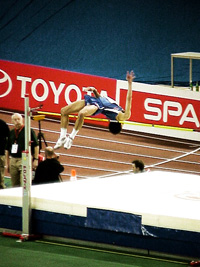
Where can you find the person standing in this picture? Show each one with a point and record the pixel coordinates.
(4, 134)
(15, 147)
(48, 171)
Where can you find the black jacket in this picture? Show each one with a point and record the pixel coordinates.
(48, 171)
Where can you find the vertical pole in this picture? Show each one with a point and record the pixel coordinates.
(26, 172)
(190, 72)
(172, 71)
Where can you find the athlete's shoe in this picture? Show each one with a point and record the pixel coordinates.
(68, 142)
(60, 142)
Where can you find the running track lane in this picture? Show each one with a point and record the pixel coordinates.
(96, 152)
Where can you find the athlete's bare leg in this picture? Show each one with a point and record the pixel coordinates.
(86, 111)
(65, 112)
(70, 109)
(75, 107)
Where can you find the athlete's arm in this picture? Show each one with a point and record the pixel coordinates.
(96, 93)
(127, 113)
(92, 89)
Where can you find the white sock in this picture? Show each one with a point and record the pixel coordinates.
(73, 133)
(63, 132)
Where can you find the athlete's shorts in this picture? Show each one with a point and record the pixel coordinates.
(90, 100)
(107, 107)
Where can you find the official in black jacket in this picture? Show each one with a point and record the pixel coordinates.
(48, 171)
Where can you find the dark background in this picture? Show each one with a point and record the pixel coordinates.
(103, 37)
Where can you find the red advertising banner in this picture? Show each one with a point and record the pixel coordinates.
(167, 110)
(159, 105)
(52, 88)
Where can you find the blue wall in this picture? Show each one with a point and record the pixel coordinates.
(103, 37)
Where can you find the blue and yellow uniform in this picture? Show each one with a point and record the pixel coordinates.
(106, 106)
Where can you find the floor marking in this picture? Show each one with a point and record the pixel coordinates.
(120, 152)
(165, 160)
(113, 141)
(173, 159)
(112, 252)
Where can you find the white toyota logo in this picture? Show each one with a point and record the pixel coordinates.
(6, 78)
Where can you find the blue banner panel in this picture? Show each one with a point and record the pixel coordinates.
(114, 221)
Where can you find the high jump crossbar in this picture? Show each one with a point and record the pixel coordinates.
(122, 122)
(71, 116)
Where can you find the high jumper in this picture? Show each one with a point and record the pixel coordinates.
(91, 106)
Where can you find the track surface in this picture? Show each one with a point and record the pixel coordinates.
(96, 152)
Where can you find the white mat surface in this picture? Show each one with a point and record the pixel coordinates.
(163, 199)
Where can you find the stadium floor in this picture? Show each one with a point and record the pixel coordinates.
(51, 254)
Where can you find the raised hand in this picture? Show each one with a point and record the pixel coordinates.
(130, 76)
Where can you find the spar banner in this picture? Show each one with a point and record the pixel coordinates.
(54, 89)
(161, 105)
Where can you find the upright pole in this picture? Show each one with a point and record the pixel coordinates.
(190, 71)
(27, 173)
(172, 71)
